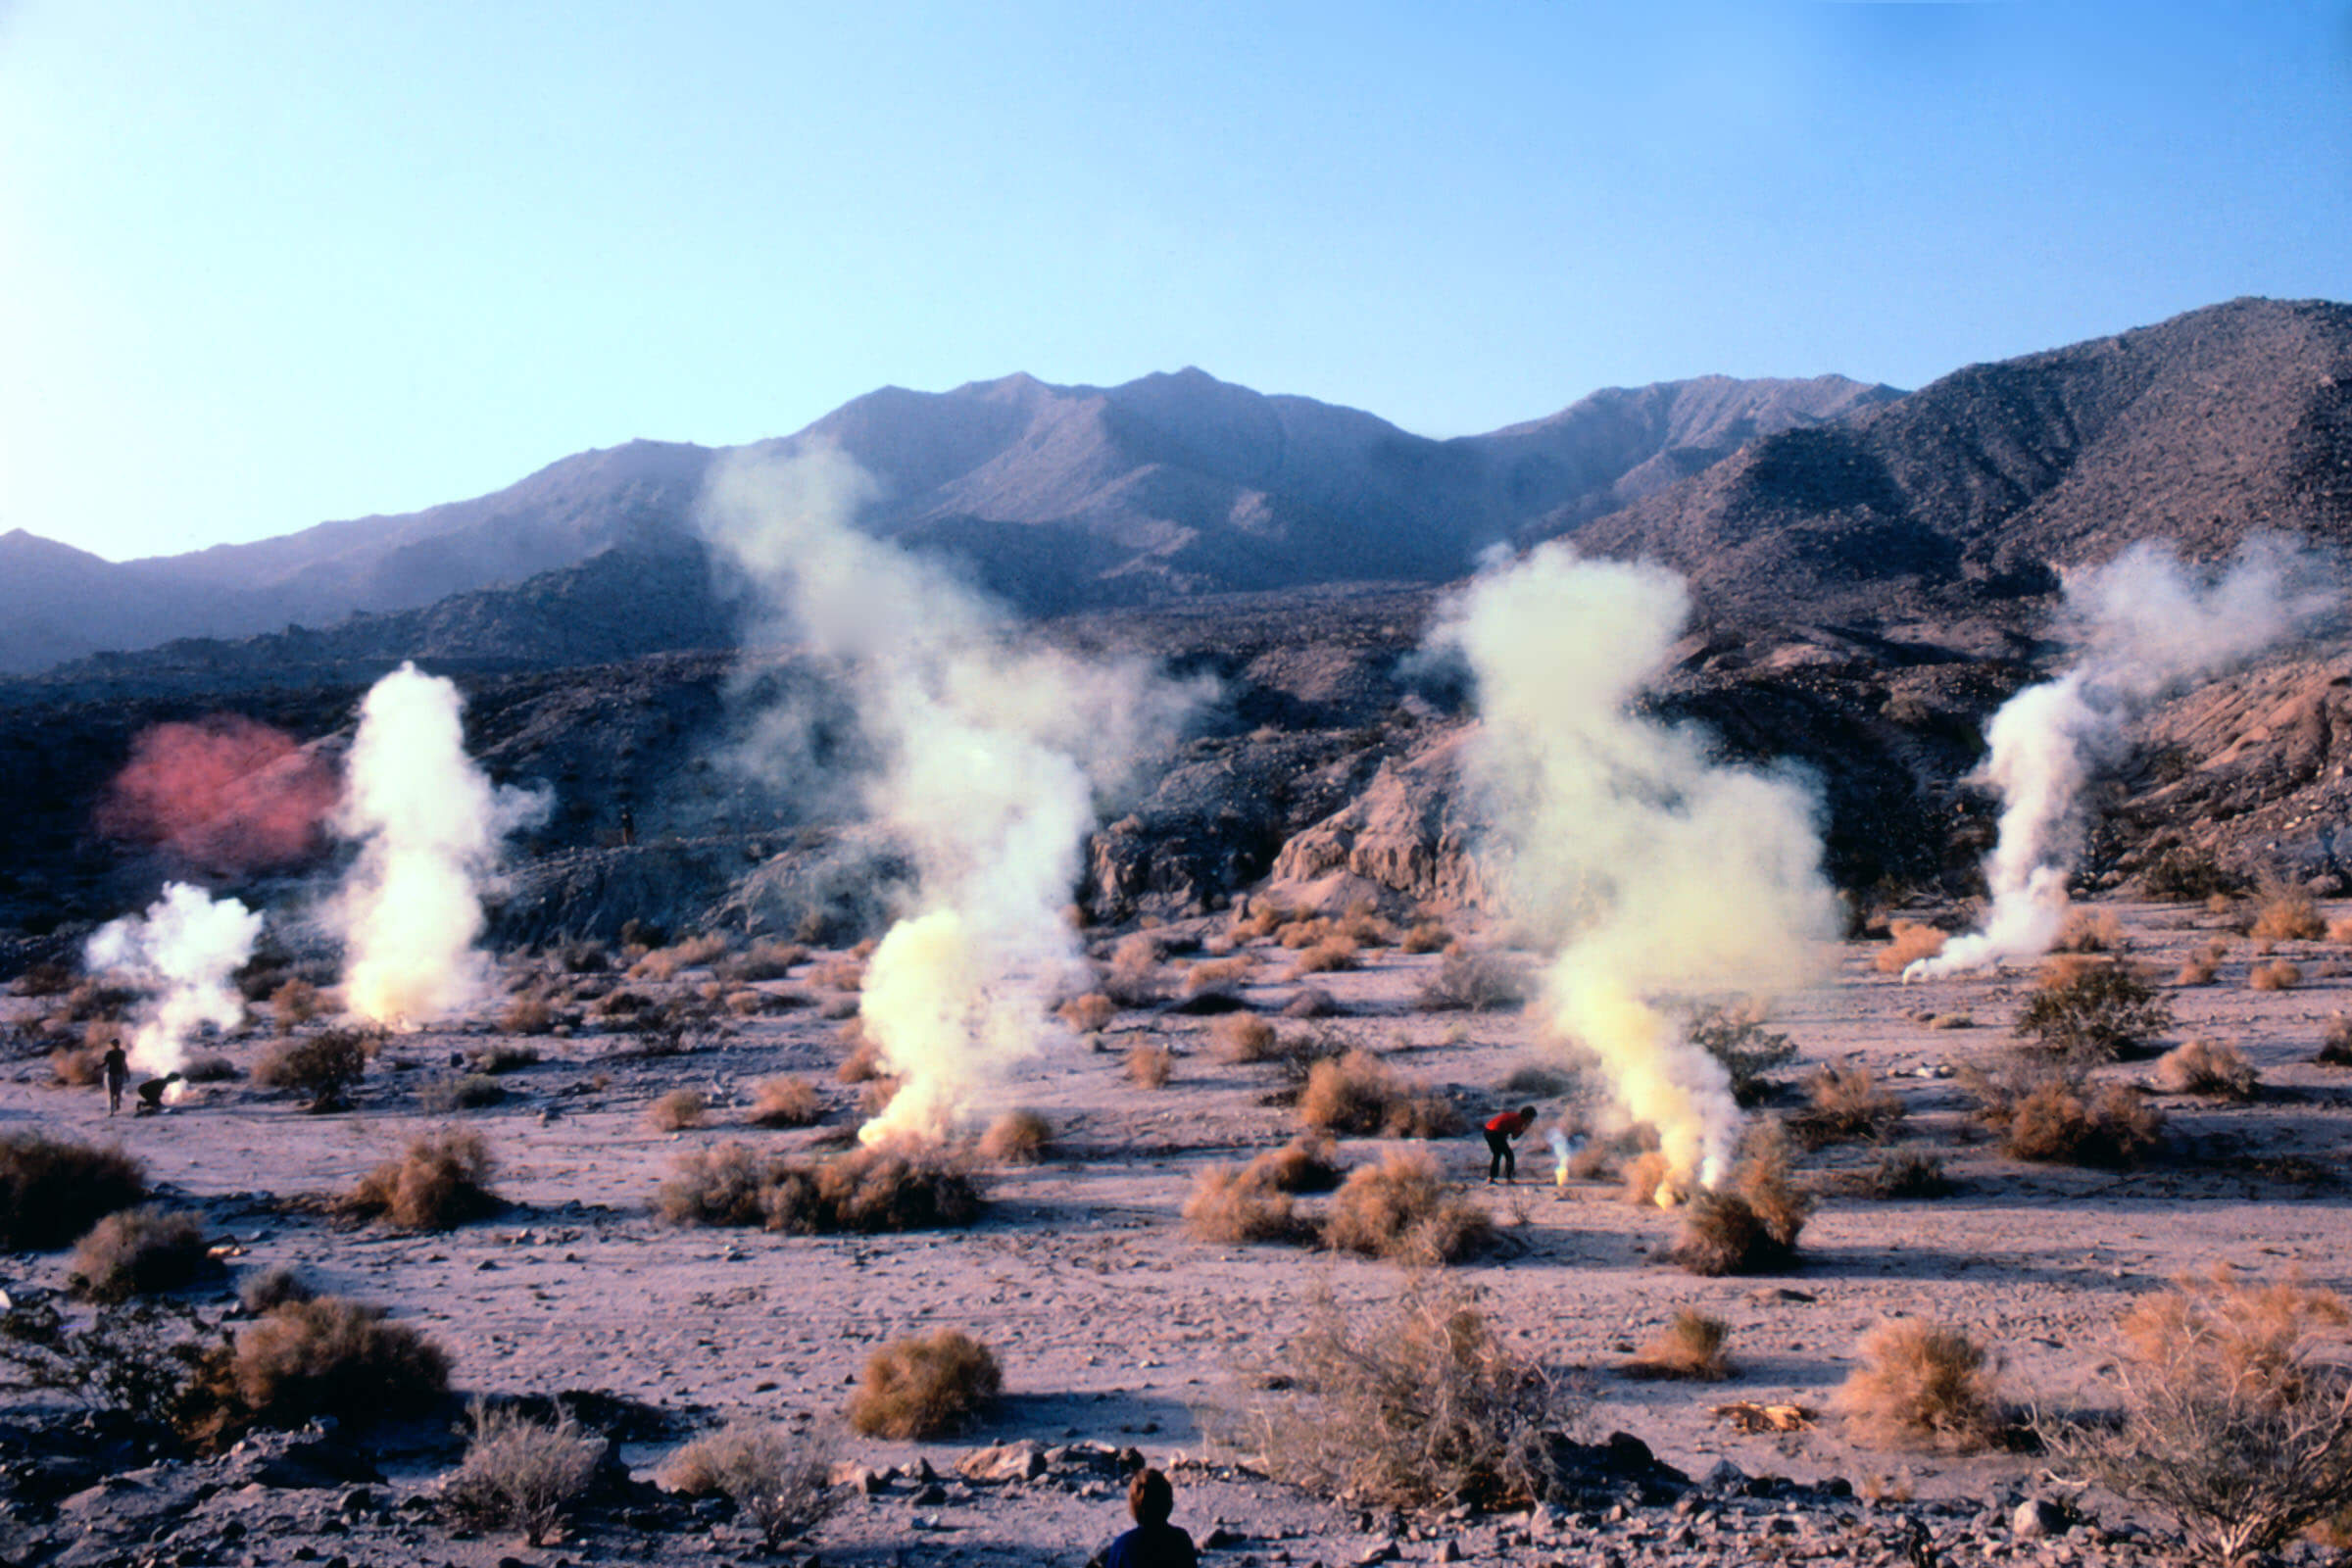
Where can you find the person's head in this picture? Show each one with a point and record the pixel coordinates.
(1149, 1497)
(1527, 1113)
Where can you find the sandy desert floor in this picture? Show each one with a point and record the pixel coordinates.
(1116, 1328)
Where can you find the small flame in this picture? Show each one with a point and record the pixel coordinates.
(1562, 1149)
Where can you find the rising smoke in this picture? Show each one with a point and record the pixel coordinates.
(182, 954)
(225, 794)
(1660, 875)
(987, 760)
(430, 827)
(2143, 626)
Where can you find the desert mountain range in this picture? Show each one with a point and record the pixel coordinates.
(1057, 498)
(1874, 574)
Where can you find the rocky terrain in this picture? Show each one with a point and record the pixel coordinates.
(1120, 1331)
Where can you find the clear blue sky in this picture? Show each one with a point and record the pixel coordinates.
(266, 264)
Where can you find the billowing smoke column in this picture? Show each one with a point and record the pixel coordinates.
(1661, 873)
(430, 827)
(2145, 625)
(989, 760)
(226, 792)
(181, 953)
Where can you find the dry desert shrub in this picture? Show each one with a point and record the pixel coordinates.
(521, 1474)
(2287, 914)
(1750, 1224)
(763, 960)
(2199, 967)
(1234, 1206)
(1313, 1001)
(46, 978)
(2103, 1014)
(1327, 956)
(1907, 942)
(1258, 919)
(677, 1110)
(272, 1287)
(1425, 936)
(1363, 925)
(1219, 974)
(1405, 1211)
(839, 974)
(325, 1066)
(1089, 1014)
(294, 1003)
(928, 1385)
(1151, 1066)
(867, 1190)
(1418, 1406)
(1643, 1175)
(208, 1068)
(1307, 1163)
(622, 1005)
(786, 1102)
(779, 1480)
(52, 1190)
(2236, 1414)
(1302, 933)
(2047, 1112)
(1906, 1173)
(1844, 1101)
(666, 964)
(1921, 1385)
(1358, 1093)
(78, 1066)
(864, 1062)
(499, 1057)
(1241, 1037)
(140, 1251)
(875, 1097)
(1692, 1348)
(1133, 978)
(1473, 982)
(2206, 1067)
(332, 1356)
(441, 1181)
(2090, 931)
(450, 1093)
(583, 958)
(2279, 975)
(2335, 1045)
(1735, 1036)
(2340, 930)
(1019, 1137)
(2188, 876)
(530, 1014)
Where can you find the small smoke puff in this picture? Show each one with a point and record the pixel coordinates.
(226, 792)
(430, 826)
(182, 953)
(1657, 871)
(986, 762)
(2143, 626)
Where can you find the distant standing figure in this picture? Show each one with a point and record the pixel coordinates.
(1500, 1130)
(151, 1094)
(1154, 1542)
(116, 1065)
(628, 826)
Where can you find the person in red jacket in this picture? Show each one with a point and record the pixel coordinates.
(1500, 1130)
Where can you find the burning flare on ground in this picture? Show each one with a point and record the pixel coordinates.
(2144, 625)
(182, 954)
(1661, 874)
(990, 758)
(430, 828)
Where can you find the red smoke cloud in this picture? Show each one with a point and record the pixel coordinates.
(226, 792)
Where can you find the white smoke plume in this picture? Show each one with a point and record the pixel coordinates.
(2144, 625)
(181, 953)
(430, 828)
(1663, 874)
(988, 759)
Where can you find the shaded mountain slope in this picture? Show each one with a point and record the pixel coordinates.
(1975, 489)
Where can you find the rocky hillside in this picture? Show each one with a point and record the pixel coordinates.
(1973, 491)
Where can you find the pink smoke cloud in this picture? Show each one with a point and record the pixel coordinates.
(227, 793)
